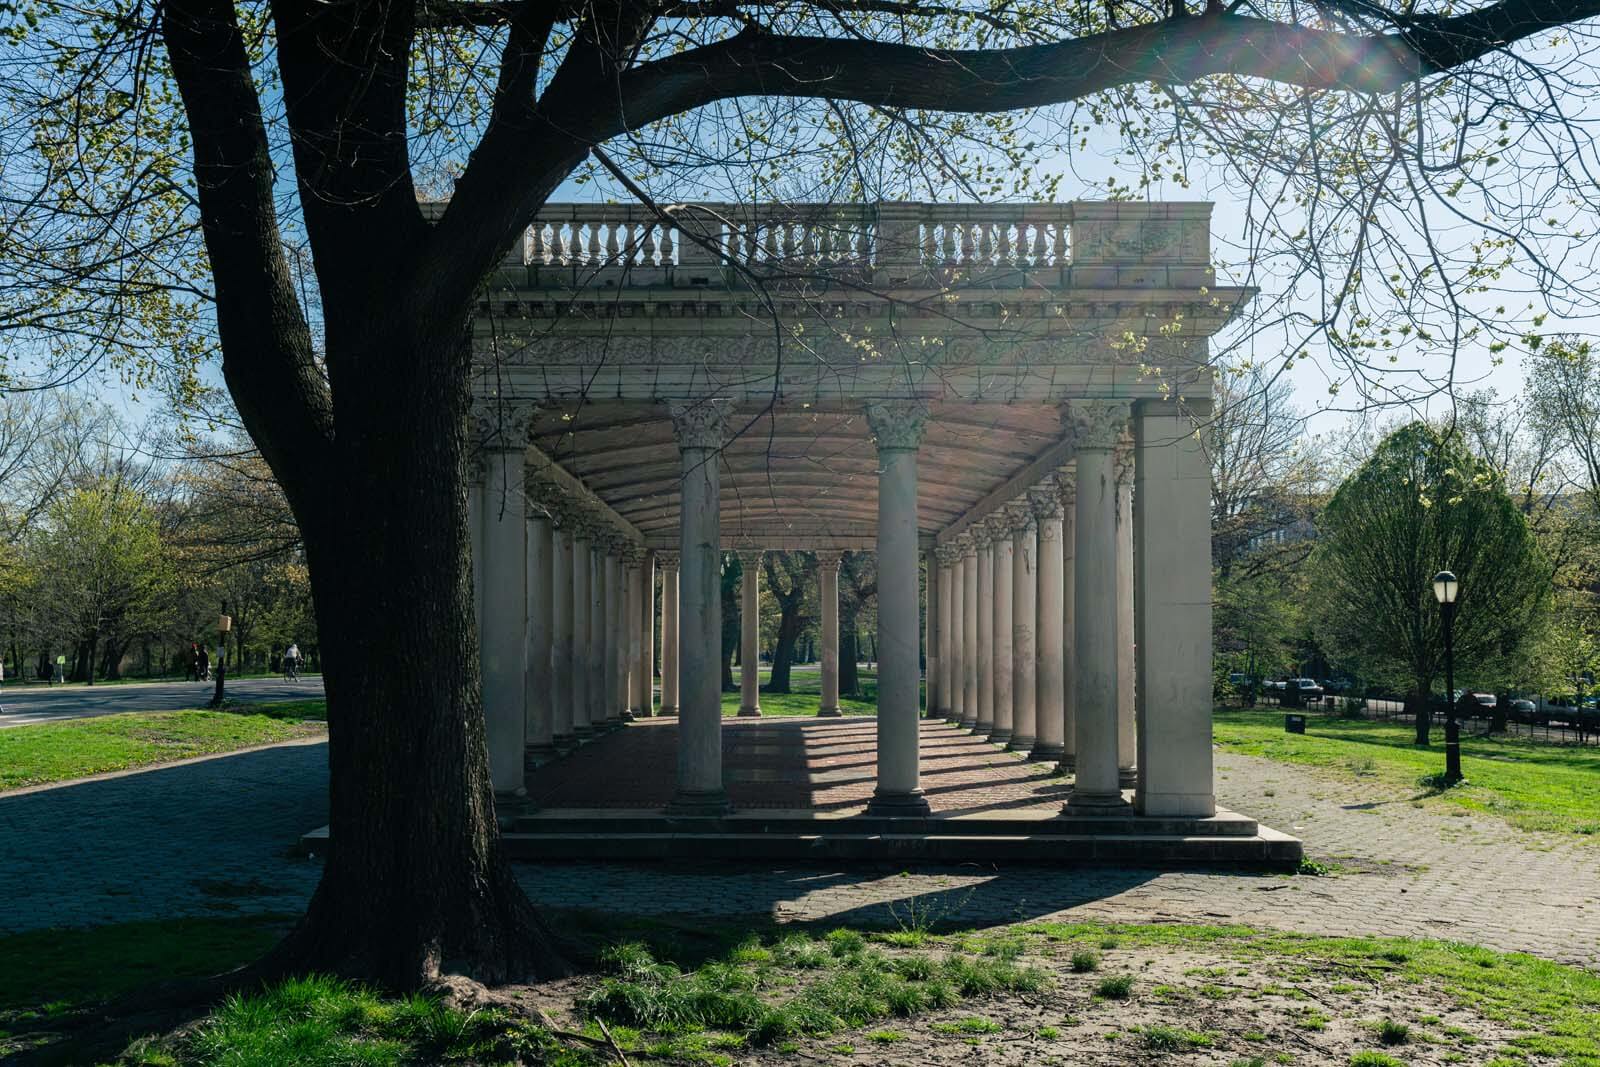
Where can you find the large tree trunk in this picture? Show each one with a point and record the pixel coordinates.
(849, 653)
(789, 626)
(415, 882)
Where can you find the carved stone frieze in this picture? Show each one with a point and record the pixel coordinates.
(897, 425)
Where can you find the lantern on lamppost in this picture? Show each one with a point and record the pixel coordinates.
(1444, 591)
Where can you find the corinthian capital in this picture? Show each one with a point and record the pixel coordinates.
(1044, 501)
(948, 555)
(699, 423)
(667, 561)
(1097, 425)
(502, 425)
(829, 562)
(897, 425)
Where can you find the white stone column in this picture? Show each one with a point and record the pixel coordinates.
(503, 432)
(930, 649)
(598, 644)
(969, 632)
(1003, 623)
(539, 725)
(611, 662)
(945, 560)
(699, 427)
(750, 634)
(958, 635)
(1024, 629)
(1172, 528)
(828, 579)
(1066, 479)
(985, 724)
(897, 427)
(582, 575)
(560, 651)
(1050, 677)
(1126, 775)
(669, 632)
(641, 669)
(1097, 425)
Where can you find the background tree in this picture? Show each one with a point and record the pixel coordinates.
(1423, 503)
(858, 597)
(789, 576)
(104, 575)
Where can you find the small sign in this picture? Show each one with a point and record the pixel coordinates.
(1294, 724)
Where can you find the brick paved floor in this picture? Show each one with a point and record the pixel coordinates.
(826, 765)
(216, 837)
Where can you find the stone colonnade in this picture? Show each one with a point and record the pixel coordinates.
(1071, 623)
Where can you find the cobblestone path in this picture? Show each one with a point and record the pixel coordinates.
(215, 837)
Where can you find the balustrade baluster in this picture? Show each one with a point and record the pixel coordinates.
(1058, 245)
(1036, 257)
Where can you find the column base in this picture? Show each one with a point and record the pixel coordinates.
(1127, 777)
(899, 805)
(1000, 737)
(1046, 752)
(700, 805)
(583, 733)
(829, 713)
(1068, 763)
(749, 713)
(538, 755)
(968, 724)
(952, 718)
(664, 712)
(1020, 743)
(1096, 804)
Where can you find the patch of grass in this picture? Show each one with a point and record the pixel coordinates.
(1174, 1039)
(1374, 1059)
(805, 695)
(1118, 987)
(1048, 1033)
(974, 1025)
(1393, 1033)
(61, 751)
(1252, 1061)
(886, 1037)
(1532, 785)
(1083, 961)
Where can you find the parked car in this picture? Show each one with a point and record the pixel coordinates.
(1523, 711)
(1306, 688)
(1485, 700)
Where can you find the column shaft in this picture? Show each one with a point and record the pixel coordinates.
(1125, 649)
(1050, 679)
(615, 656)
(582, 575)
(930, 650)
(598, 645)
(1173, 614)
(1096, 787)
(942, 709)
(1004, 708)
(644, 617)
(560, 651)
(828, 573)
(985, 723)
(669, 636)
(699, 430)
(969, 637)
(1024, 634)
(958, 639)
(1069, 629)
(897, 427)
(539, 726)
(750, 635)
(505, 609)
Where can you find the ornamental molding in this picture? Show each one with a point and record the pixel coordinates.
(501, 425)
(1097, 425)
(699, 424)
(897, 425)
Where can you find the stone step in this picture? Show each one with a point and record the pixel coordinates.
(755, 821)
(1268, 849)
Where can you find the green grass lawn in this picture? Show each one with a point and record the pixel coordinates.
(1532, 785)
(60, 751)
(805, 683)
(713, 993)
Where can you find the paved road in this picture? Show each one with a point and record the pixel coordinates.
(216, 837)
(52, 703)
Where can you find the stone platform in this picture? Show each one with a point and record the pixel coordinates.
(799, 789)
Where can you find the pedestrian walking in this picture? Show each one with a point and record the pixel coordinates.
(61, 669)
(203, 665)
(2, 682)
(291, 663)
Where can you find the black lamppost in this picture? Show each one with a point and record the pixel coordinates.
(1444, 591)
